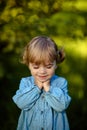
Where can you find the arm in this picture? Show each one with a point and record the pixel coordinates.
(27, 95)
(57, 97)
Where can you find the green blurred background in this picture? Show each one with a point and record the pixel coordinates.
(63, 20)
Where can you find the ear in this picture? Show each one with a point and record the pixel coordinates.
(56, 66)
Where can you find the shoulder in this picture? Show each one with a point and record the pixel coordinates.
(59, 81)
(57, 78)
(26, 81)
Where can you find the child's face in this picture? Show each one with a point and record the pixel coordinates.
(42, 72)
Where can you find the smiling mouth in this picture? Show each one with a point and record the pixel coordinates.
(43, 76)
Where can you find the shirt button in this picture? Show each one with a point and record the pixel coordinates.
(42, 96)
(41, 112)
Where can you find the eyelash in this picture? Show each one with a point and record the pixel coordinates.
(48, 67)
(35, 67)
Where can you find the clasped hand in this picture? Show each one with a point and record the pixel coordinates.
(43, 85)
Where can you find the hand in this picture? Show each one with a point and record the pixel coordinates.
(46, 85)
(43, 85)
(39, 84)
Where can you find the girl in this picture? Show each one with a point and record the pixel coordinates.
(42, 97)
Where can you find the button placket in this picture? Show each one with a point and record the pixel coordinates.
(42, 110)
(42, 96)
(42, 107)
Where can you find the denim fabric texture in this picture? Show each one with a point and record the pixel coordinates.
(42, 110)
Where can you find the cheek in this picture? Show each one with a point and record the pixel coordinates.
(52, 72)
(32, 71)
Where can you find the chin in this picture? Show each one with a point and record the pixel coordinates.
(44, 80)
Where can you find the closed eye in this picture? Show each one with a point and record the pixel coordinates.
(35, 66)
(49, 66)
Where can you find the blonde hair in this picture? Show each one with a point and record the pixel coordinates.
(41, 49)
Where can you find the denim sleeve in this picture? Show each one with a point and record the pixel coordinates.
(26, 96)
(58, 97)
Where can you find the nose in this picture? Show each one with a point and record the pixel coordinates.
(42, 70)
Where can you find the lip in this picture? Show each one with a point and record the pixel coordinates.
(42, 76)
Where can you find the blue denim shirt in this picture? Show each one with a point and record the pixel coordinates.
(42, 110)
